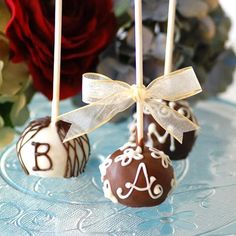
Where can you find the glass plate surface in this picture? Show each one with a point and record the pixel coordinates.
(203, 203)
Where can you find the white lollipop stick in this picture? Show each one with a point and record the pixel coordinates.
(139, 64)
(57, 62)
(170, 37)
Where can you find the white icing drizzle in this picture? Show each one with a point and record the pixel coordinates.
(129, 155)
(145, 111)
(184, 110)
(107, 191)
(157, 154)
(154, 194)
(152, 129)
(172, 144)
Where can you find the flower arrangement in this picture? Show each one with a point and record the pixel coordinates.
(87, 27)
(15, 87)
(26, 59)
(201, 33)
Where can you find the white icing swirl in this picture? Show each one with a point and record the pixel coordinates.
(183, 110)
(157, 154)
(129, 155)
(154, 194)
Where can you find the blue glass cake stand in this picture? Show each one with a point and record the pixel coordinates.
(204, 202)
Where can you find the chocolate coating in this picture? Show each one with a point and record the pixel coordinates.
(166, 143)
(136, 178)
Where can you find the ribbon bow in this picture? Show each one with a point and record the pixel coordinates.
(107, 97)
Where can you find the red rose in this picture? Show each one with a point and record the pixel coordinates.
(88, 26)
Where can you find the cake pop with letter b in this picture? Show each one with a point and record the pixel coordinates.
(40, 148)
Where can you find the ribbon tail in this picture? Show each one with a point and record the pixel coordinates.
(170, 120)
(175, 86)
(90, 117)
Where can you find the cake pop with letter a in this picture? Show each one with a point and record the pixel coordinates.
(137, 177)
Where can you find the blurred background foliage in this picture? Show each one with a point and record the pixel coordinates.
(15, 87)
(202, 29)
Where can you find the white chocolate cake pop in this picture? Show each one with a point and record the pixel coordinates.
(41, 150)
(137, 177)
(155, 136)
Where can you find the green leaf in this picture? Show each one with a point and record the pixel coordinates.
(1, 122)
(120, 7)
(7, 135)
(5, 15)
(1, 67)
(15, 76)
(16, 111)
(5, 109)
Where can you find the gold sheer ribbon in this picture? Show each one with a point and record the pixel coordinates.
(107, 97)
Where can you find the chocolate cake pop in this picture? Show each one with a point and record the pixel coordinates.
(155, 136)
(137, 177)
(41, 150)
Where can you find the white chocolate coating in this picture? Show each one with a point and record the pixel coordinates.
(42, 152)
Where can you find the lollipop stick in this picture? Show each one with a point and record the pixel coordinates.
(170, 37)
(57, 62)
(139, 64)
